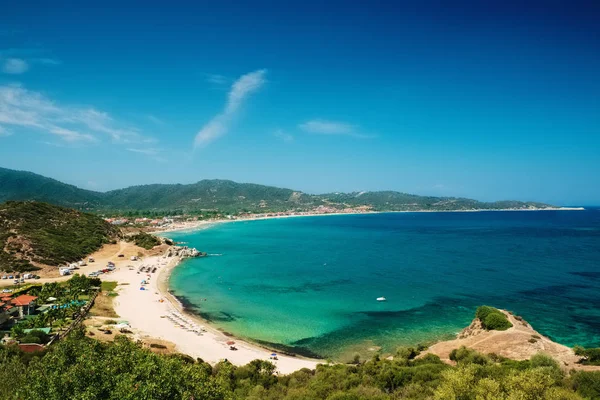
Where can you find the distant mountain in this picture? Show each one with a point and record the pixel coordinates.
(215, 194)
(224, 196)
(22, 185)
(33, 233)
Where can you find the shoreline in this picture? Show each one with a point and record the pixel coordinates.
(206, 224)
(148, 312)
(165, 274)
(163, 288)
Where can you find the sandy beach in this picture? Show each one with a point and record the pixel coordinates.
(150, 314)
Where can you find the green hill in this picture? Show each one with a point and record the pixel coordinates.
(23, 185)
(222, 195)
(218, 194)
(40, 233)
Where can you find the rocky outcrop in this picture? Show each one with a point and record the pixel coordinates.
(184, 252)
(520, 342)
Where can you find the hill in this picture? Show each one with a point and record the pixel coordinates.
(23, 185)
(224, 196)
(34, 233)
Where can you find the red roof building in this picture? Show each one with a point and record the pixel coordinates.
(25, 303)
(23, 300)
(31, 347)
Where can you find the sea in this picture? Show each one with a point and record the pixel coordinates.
(309, 285)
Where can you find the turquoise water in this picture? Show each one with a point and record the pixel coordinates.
(310, 284)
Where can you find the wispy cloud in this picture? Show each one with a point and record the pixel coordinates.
(282, 135)
(324, 127)
(18, 61)
(69, 135)
(4, 132)
(216, 79)
(14, 66)
(23, 108)
(148, 152)
(155, 119)
(239, 92)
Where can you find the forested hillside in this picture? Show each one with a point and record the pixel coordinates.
(224, 196)
(34, 232)
(22, 185)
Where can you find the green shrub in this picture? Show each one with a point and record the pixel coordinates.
(144, 240)
(492, 319)
(465, 355)
(31, 339)
(590, 356)
(586, 383)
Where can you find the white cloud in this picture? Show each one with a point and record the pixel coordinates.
(19, 60)
(286, 137)
(148, 152)
(240, 90)
(324, 127)
(4, 132)
(69, 135)
(15, 66)
(20, 107)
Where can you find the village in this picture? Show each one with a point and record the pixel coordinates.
(165, 223)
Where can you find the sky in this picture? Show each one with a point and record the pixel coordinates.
(487, 100)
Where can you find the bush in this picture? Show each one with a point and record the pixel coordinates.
(31, 339)
(543, 360)
(464, 355)
(492, 319)
(144, 240)
(590, 356)
(496, 321)
(586, 383)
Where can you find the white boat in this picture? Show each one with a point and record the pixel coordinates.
(381, 299)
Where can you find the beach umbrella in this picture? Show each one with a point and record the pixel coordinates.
(273, 355)
(230, 342)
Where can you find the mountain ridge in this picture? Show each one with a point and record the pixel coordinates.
(225, 196)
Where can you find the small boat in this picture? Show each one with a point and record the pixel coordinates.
(381, 299)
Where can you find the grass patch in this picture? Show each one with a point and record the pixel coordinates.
(108, 286)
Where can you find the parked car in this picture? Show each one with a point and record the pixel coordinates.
(11, 277)
(4, 277)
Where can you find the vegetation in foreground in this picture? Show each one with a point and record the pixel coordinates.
(492, 319)
(82, 368)
(42, 233)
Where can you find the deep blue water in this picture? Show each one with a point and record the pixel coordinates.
(311, 283)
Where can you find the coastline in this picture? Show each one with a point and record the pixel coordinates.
(220, 336)
(147, 311)
(192, 226)
(206, 224)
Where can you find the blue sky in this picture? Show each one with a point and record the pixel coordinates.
(441, 98)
